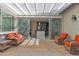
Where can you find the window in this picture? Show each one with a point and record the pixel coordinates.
(6, 22)
(23, 26)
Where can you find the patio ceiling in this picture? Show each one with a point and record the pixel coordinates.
(35, 8)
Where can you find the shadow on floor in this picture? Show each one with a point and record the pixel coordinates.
(76, 53)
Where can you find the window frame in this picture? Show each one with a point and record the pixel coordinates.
(1, 21)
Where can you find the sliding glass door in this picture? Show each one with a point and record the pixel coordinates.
(55, 27)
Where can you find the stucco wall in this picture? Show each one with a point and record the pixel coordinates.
(69, 26)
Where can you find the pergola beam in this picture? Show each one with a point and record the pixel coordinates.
(40, 16)
(18, 8)
(44, 8)
(27, 8)
(35, 8)
(52, 8)
(60, 8)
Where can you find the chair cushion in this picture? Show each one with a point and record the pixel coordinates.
(18, 36)
(63, 35)
(67, 44)
(15, 36)
(76, 38)
(10, 35)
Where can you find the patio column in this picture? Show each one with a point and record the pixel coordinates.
(50, 24)
(28, 28)
(15, 24)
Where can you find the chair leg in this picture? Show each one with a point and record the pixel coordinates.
(72, 50)
(60, 42)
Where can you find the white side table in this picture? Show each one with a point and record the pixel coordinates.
(40, 34)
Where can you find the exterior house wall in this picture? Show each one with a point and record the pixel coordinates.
(68, 25)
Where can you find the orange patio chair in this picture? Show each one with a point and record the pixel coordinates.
(60, 40)
(19, 38)
(15, 37)
(72, 45)
(10, 36)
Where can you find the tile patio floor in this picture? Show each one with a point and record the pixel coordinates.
(45, 48)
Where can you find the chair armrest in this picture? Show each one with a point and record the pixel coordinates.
(68, 40)
(74, 44)
(56, 38)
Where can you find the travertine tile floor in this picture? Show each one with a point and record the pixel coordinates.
(46, 48)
